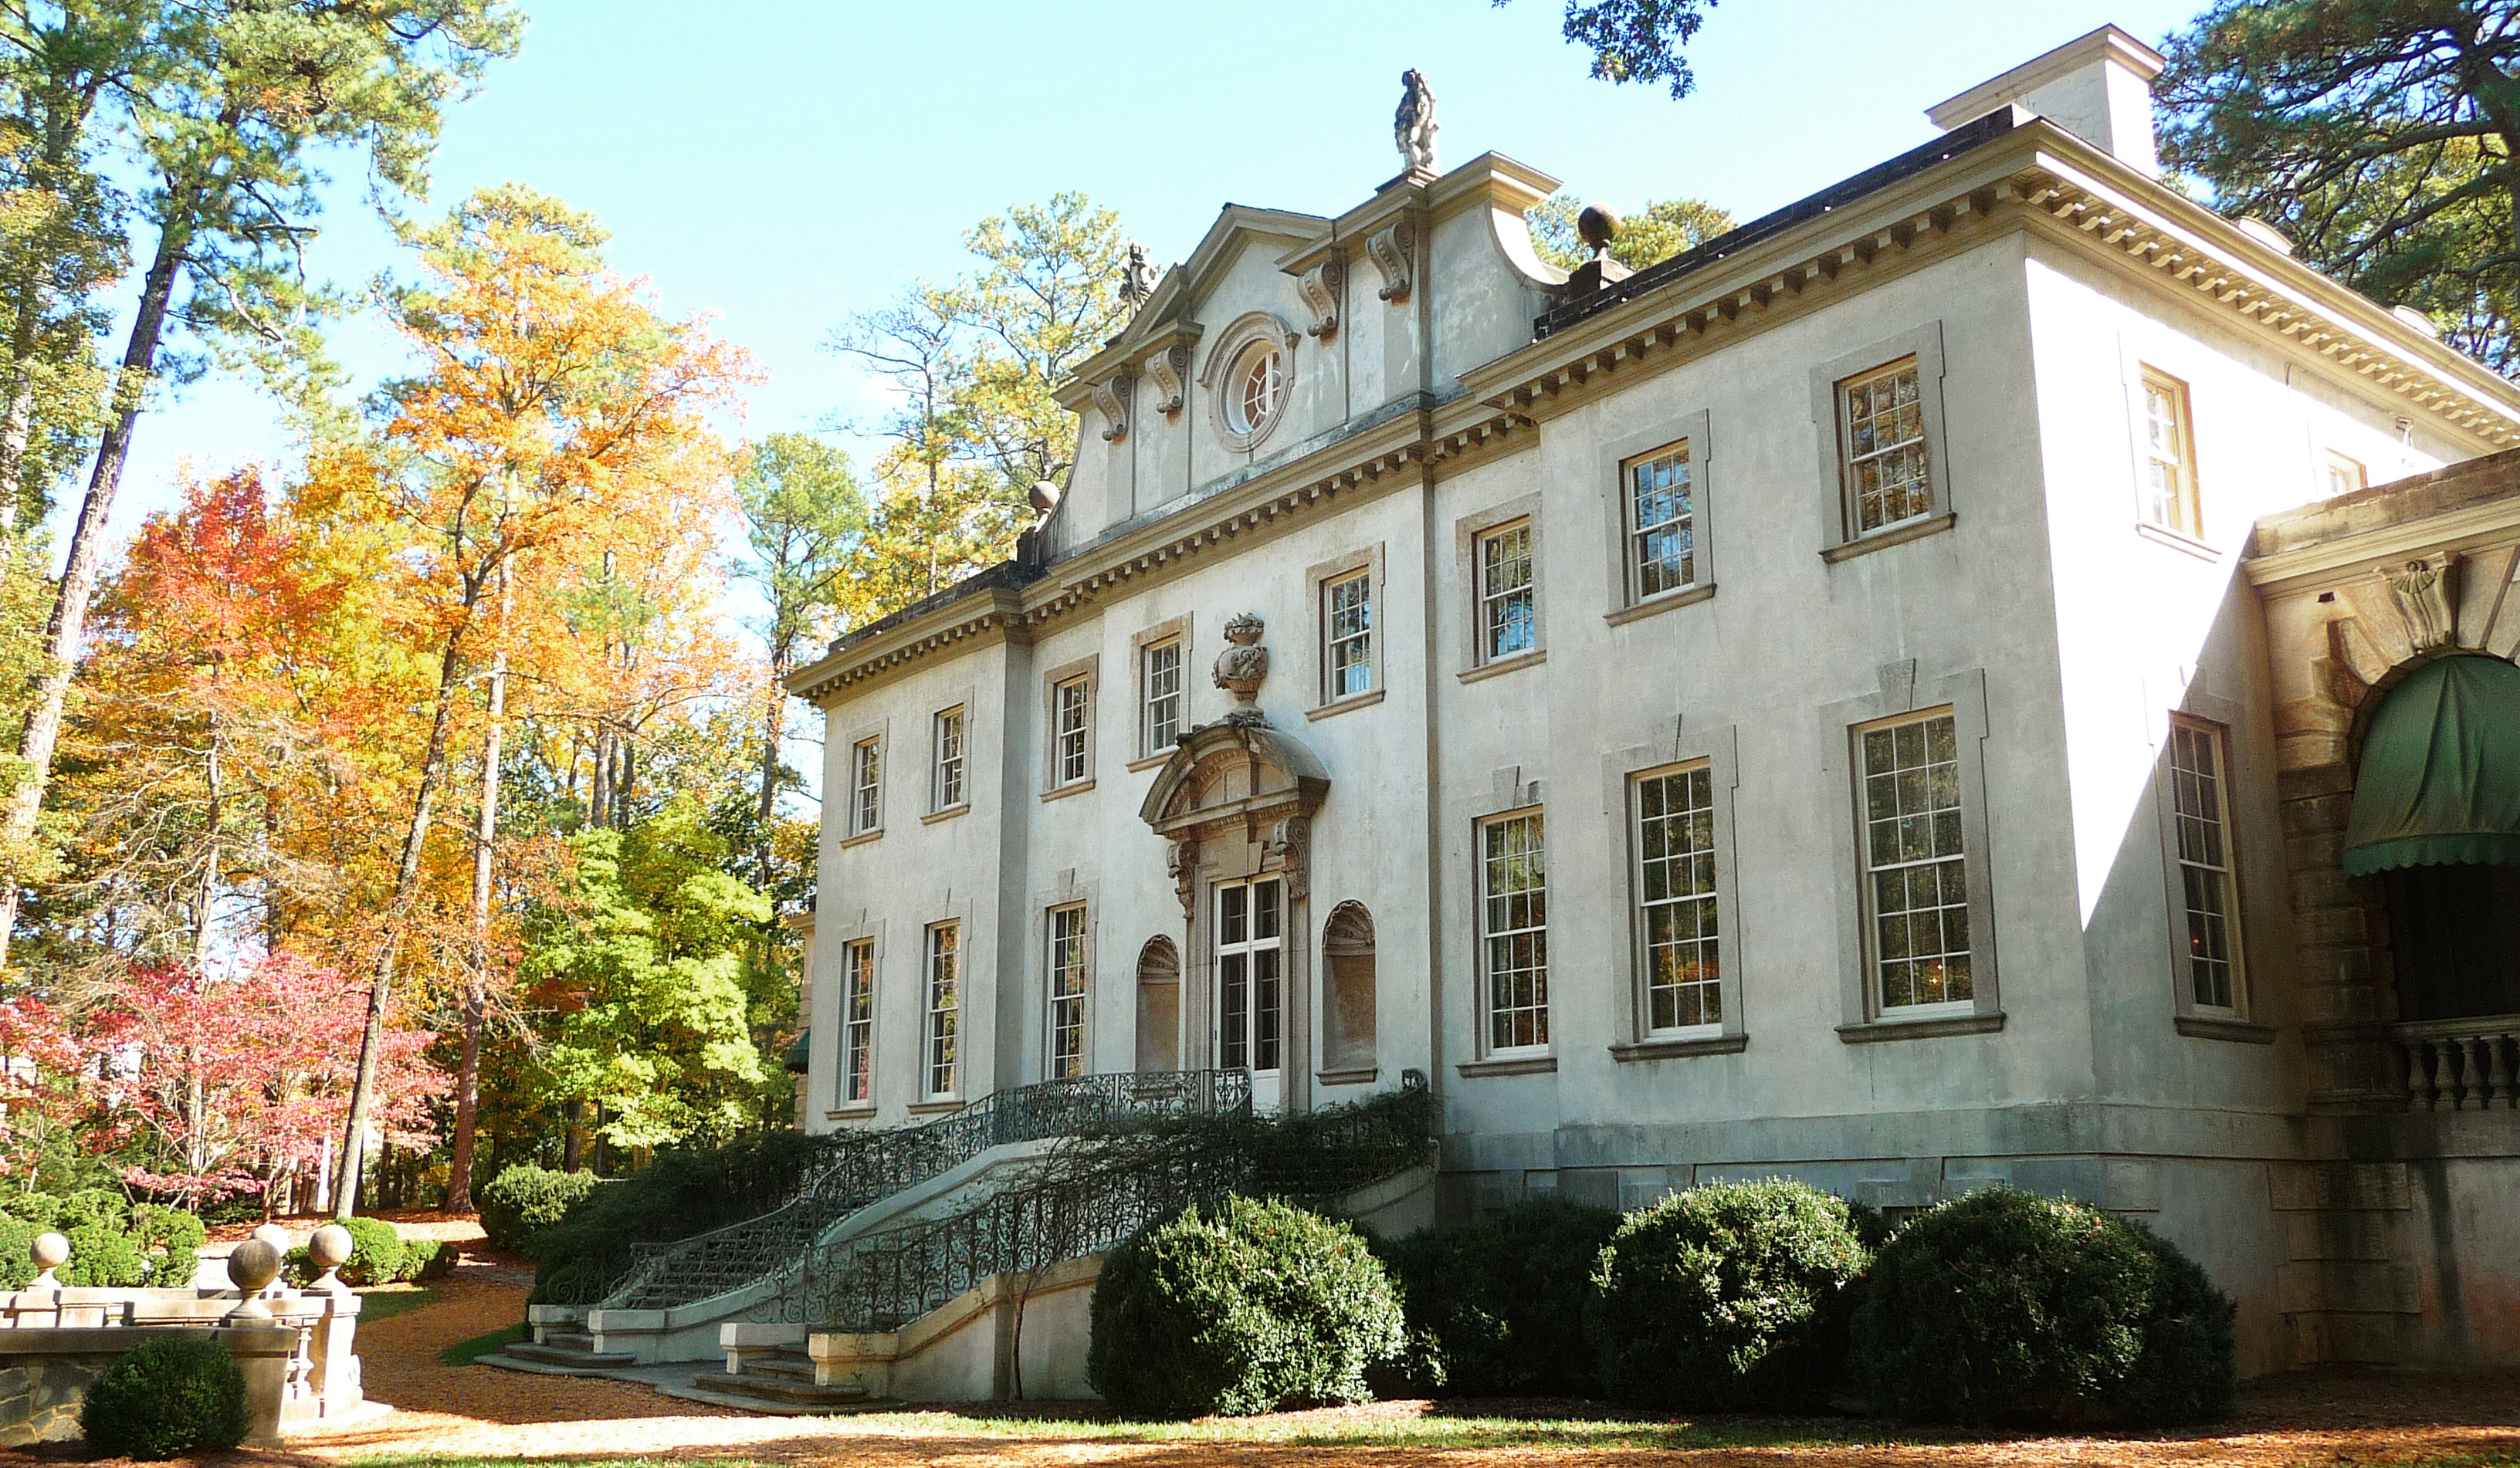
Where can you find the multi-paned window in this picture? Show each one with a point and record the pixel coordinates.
(1889, 481)
(1250, 975)
(1161, 678)
(865, 786)
(946, 785)
(1347, 636)
(1676, 904)
(1509, 621)
(2200, 794)
(1068, 992)
(2344, 476)
(1916, 868)
(2169, 457)
(1662, 524)
(943, 1023)
(1072, 705)
(857, 1023)
(1513, 912)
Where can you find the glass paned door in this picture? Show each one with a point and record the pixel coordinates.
(1251, 984)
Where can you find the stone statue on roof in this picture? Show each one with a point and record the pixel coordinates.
(1414, 127)
(1137, 277)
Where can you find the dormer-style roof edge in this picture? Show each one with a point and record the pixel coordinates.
(1504, 182)
(1182, 288)
(2108, 43)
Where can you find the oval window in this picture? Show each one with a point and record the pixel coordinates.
(1257, 383)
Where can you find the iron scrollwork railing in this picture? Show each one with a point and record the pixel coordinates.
(882, 1163)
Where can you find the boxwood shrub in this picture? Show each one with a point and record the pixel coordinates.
(2007, 1307)
(376, 1253)
(1243, 1307)
(523, 1200)
(113, 1244)
(1733, 1297)
(166, 1399)
(1495, 1307)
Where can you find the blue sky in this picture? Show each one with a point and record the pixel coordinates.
(781, 164)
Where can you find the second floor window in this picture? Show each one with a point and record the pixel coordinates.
(866, 787)
(1347, 636)
(1662, 524)
(857, 1023)
(2200, 793)
(1066, 993)
(2344, 476)
(1509, 621)
(1073, 703)
(2169, 457)
(944, 1006)
(948, 781)
(1676, 904)
(1888, 479)
(1513, 930)
(1164, 686)
(1916, 868)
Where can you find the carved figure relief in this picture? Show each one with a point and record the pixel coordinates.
(2423, 589)
(1291, 844)
(1322, 287)
(1393, 249)
(1242, 668)
(1170, 368)
(1138, 277)
(1181, 860)
(1112, 395)
(1413, 127)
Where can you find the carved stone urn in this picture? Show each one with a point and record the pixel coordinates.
(1242, 667)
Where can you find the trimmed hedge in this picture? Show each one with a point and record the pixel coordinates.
(166, 1399)
(1731, 1297)
(376, 1253)
(2007, 1306)
(113, 1244)
(1243, 1307)
(523, 1200)
(1493, 1307)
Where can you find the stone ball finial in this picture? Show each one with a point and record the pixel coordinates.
(274, 1235)
(1045, 495)
(253, 1264)
(49, 1252)
(330, 1247)
(1598, 225)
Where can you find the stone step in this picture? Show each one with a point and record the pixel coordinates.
(747, 1402)
(785, 1368)
(569, 1355)
(569, 1340)
(778, 1389)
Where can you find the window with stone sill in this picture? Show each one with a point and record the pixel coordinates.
(941, 1028)
(857, 1023)
(1916, 868)
(1161, 679)
(1066, 991)
(1661, 513)
(865, 786)
(1347, 636)
(1509, 619)
(1513, 932)
(1887, 470)
(2209, 896)
(1073, 705)
(2169, 499)
(2344, 476)
(946, 784)
(1677, 921)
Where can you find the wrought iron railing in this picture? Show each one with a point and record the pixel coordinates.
(2461, 1064)
(883, 1163)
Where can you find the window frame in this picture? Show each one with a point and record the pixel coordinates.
(846, 745)
(865, 786)
(857, 1034)
(1249, 948)
(1367, 563)
(1053, 997)
(1149, 714)
(2193, 701)
(2183, 957)
(928, 1031)
(1714, 748)
(1838, 538)
(2329, 460)
(1469, 534)
(1487, 1048)
(959, 718)
(1901, 694)
(2188, 519)
(1085, 672)
(1870, 867)
(1145, 752)
(1616, 460)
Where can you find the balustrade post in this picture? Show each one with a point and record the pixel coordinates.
(2498, 1047)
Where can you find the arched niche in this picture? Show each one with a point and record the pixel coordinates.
(1158, 1005)
(1348, 994)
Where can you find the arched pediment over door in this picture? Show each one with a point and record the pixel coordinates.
(1240, 782)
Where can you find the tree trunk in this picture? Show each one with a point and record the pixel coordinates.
(345, 1191)
(572, 1140)
(209, 889)
(476, 979)
(43, 731)
(774, 729)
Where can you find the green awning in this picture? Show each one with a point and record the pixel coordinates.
(2439, 780)
(801, 1055)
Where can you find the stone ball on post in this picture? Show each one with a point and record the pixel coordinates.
(49, 1252)
(1598, 226)
(252, 1267)
(329, 1250)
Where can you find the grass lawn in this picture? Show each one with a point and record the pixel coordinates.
(383, 1302)
(466, 1352)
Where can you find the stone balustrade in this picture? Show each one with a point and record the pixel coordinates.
(2461, 1064)
(295, 1346)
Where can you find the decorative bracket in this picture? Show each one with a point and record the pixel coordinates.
(1322, 287)
(1181, 860)
(1393, 249)
(2423, 589)
(1112, 395)
(1291, 843)
(1170, 368)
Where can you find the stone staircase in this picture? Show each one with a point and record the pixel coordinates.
(558, 1349)
(780, 1383)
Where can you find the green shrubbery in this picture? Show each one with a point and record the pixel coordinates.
(1731, 1297)
(523, 1200)
(2007, 1307)
(376, 1253)
(1243, 1307)
(166, 1399)
(114, 1243)
(419, 1261)
(684, 1191)
(1495, 1307)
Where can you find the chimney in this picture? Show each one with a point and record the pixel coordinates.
(2098, 88)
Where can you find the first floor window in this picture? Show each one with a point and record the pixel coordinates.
(2201, 796)
(948, 792)
(1509, 621)
(1164, 686)
(1066, 991)
(865, 786)
(1250, 975)
(1347, 634)
(2169, 457)
(1662, 524)
(1513, 912)
(1889, 481)
(1676, 898)
(1915, 870)
(944, 1005)
(857, 1023)
(1073, 703)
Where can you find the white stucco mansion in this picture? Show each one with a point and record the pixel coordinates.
(1876, 698)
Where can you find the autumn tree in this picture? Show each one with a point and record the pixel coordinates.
(1664, 228)
(222, 107)
(2383, 138)
(1637, 40)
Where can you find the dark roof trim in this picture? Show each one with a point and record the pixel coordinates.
(1655, 277)
(1009, 575)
